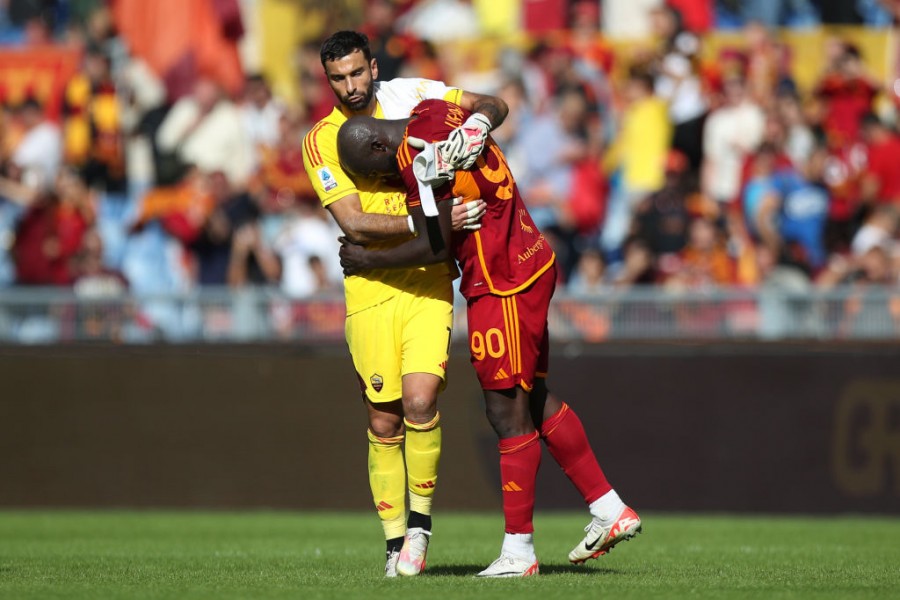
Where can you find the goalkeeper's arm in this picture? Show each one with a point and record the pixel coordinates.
(495, 109)
(431, 245)
(465, 143)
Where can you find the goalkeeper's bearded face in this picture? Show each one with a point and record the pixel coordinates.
(352, 79)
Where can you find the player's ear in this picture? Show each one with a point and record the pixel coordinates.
(374, 67)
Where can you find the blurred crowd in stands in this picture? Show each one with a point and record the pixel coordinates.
(653, 165)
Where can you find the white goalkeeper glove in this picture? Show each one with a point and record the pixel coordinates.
(431, 170)
(431, 165)
(465, 143)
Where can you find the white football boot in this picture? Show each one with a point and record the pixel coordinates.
(390, 567)
(600, 539)
(412, 555)
(510, 565)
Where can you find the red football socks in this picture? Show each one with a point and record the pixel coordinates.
(568, 444)
(520, 458)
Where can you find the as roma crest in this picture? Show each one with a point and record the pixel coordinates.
(377, 382)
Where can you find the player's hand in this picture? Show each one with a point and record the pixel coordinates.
(353, 257)
(467, 216)
(465, 143)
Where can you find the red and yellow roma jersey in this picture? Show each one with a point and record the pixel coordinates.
(508, 253)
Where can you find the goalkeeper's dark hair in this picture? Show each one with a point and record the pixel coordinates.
(342, 43)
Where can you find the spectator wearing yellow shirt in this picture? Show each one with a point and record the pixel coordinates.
(93, 139)
(638, 156)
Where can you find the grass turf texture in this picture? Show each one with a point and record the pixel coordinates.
(185, 555)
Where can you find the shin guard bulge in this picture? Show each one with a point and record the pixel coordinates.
(423, 455)
(520, 458)
(568, 444)
(387, 479)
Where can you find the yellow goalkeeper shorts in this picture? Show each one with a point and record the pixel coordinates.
(405, 334)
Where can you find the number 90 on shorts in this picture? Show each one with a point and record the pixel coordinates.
(508, 337)
(487, 344)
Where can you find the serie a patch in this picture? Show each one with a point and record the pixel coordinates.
(326, 179)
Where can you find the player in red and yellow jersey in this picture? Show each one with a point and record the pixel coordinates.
(508, 279)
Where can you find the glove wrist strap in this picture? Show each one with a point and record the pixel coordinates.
(482, 119)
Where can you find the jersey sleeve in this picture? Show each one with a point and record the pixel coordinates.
(405, 156)
(320, 159)
(453, 95)
(429, 89)
(423, 89)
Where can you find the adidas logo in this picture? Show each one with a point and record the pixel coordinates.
(512, 486)
(383, 506)
(501, 374)
(425, 486)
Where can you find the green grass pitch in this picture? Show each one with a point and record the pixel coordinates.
(187, 555)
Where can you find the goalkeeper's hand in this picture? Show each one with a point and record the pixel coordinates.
(467, 215)
(465, 143)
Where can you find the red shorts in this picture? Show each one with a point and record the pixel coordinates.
(508, 337)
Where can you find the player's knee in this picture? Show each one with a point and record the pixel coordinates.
(420, 392)
(508, 417)
(420, 408)
(509, 428)
(386, 425)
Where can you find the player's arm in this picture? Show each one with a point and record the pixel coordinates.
(431, 246)
(465, 143)
(337, 192)
(492, 107)
(361, 227)
(432, 243)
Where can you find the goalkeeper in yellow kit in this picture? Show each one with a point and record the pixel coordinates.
(398, 320)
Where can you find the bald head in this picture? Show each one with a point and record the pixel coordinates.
(368, 146)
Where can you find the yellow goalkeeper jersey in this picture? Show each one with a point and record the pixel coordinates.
(395, 99)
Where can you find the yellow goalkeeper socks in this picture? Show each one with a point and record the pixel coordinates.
(387, 478)
(423, 453)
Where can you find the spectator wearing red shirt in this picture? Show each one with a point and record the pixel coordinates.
(848, 95)
(50, 233)
(843, 172)
(698, 15)
(881, 176)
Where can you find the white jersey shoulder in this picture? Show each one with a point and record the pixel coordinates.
(398, 97)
